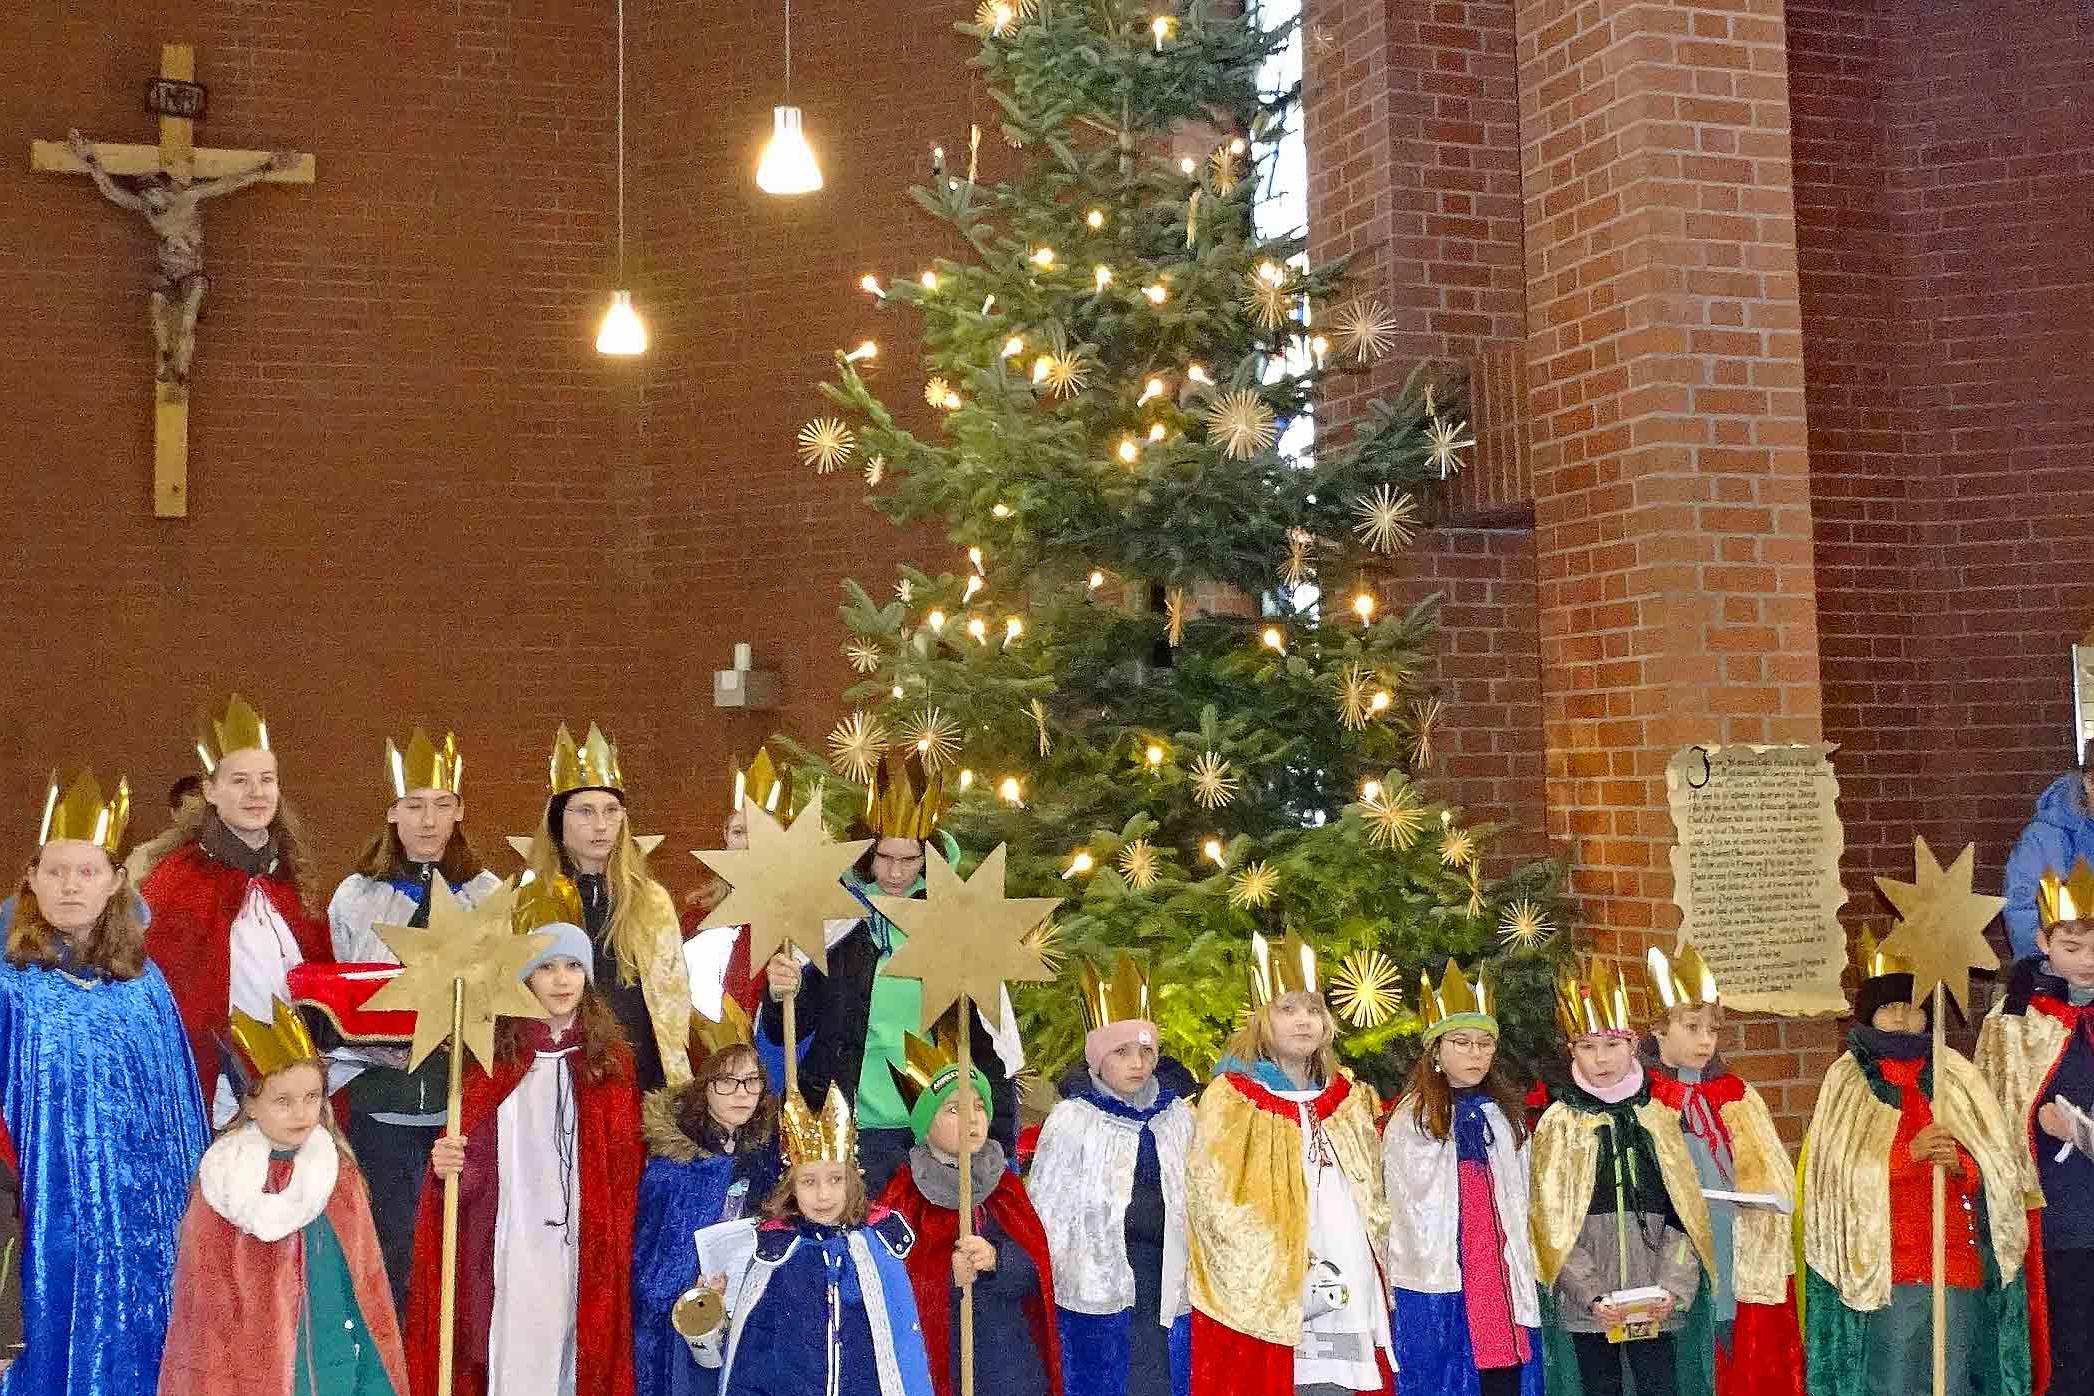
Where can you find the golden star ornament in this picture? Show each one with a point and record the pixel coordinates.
(856, 745)
(966, 937)
(1138, 864)
(785, 883)
(1253, 887)
(1941, 923)
(826, 443)
(475, 947)
(1388, 519)
(1366, 989)
(1242, 423)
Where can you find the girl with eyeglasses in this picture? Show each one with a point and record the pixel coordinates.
(712, 1146)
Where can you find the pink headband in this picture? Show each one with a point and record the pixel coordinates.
(1100, 1043)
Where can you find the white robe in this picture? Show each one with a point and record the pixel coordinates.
(361, 904)
(1338, 1234)
(262, 953)
(1081, 1182)
(531, 1340)
(1425, 1209)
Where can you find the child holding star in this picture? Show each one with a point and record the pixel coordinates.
(1890, 1110)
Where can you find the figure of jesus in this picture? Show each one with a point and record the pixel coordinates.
(172, 206)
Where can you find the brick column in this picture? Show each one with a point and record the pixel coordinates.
(1671, 480)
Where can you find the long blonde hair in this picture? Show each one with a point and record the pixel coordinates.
(640, 906)
(1252, 1042)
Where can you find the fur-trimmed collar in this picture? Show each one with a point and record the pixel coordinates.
(234, 1178)
(661, 1125)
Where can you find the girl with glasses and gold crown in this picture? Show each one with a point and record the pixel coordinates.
(712, 1147)
(1741, 1338)
(279, 1286)
(1108, 1180)
(826, 1305)
(1454, 1157)
(101, 1103)
(548, 1161)
(236, 906)
(631, 920)
(1284, 1198)
(1889, 1110)
(1620, 1228)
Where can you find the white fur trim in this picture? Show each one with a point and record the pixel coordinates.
(236, 1169)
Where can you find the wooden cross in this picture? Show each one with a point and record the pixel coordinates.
(178, 101)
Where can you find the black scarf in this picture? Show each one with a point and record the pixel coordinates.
(227, 847)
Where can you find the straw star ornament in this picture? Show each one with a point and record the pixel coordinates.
(474, 946)
(1941, 923)
(1242, 423)
(856, 745)
(1388, 519)
(826, 443)
(966, 937)
(785, 883)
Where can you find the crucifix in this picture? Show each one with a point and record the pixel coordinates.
(166, 184)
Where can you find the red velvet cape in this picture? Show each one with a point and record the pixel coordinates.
(234, 1325)
(194, 899)
(930, 1268)
(610, 1158)
(1766, 1350)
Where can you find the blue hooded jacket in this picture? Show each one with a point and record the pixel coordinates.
(2061, 833)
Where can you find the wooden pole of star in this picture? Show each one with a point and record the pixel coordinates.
(177, 154)
(1941, 1227)
(968, 1105)
(447, 1307)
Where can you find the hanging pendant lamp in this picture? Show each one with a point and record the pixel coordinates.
(622, 333)
(788, 165)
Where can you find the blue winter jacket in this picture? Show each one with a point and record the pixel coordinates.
(2061, 833)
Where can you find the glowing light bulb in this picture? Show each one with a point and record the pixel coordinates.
(929, 280)
(1363, 606)
(1043, 257)
(1095, 219)
(871, 285)
(1014, 346)
(1198, 374)
(1041, 367)
(952, 401)
(787, 165)
(966, 777)
(936, 621)
(1080, 864)
(1379, 702)
(1156, 431)
(622, 333)
(867, 350)
(896, 690)
(1154, 755)
(1161, 28)
(1001, 17)
(1236, 146)
(1012, 629)
(1319, 346)
(1270, 273)
(1151, 389)
(1102, 276)
(974, 555)
(1273, 640)
(1187, 165)
(1212, 848)
(1156, 293)
(974, 584)
(1370, 791)
(1010, 791)
(999, 511)
(1129, 451)
(1097, 580)
(978, 630)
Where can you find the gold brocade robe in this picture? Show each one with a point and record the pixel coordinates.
(2017, 1053)
(1845, 1206)
(1566, 1163)
(1763, 1244)
(1247, 1202)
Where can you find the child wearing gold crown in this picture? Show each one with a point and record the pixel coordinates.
(1284, 1202)
(712, 1147)
(279, 1286)
(1108, 1180)
(235, 906)
(1743, 1338)
(826, 1306)
(2036, 1051)
(548, 1163)
(1620, 1228)
(1890, 1109)
(1454, 1157)
(1005, 1260)
(101, 1103)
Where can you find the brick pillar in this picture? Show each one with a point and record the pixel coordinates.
(1671, 480)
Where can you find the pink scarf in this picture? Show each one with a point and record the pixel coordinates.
(1615, 1094)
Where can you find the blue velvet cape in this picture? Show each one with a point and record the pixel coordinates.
(99, 1091)
(677, 1199)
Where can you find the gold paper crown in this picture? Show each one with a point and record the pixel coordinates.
(1288, 968)
(2070, 898)
(81, 813)
(1872, 961)
(764, 783)
(423, 766)
(593, 765)
(1455, 995)
(924, 1060)
(267, 1048)
(828, 1137)
(709, 1038)
(1681, 981)
(1591, 1001)
(241, 729)
(1120, 999)
(904, 800)
(543, 902)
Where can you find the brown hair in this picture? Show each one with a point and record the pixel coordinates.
(327, 1120)
(1431, 1101)
(605, 1052)
(1669, 1016)
(784, 1203)
(698, 1121)
(385, 857)
(293, 863)
(114, 944)
(1253, 1041)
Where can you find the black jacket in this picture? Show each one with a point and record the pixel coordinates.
(834, 1014)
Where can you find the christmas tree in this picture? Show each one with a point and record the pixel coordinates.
(1161, 676)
